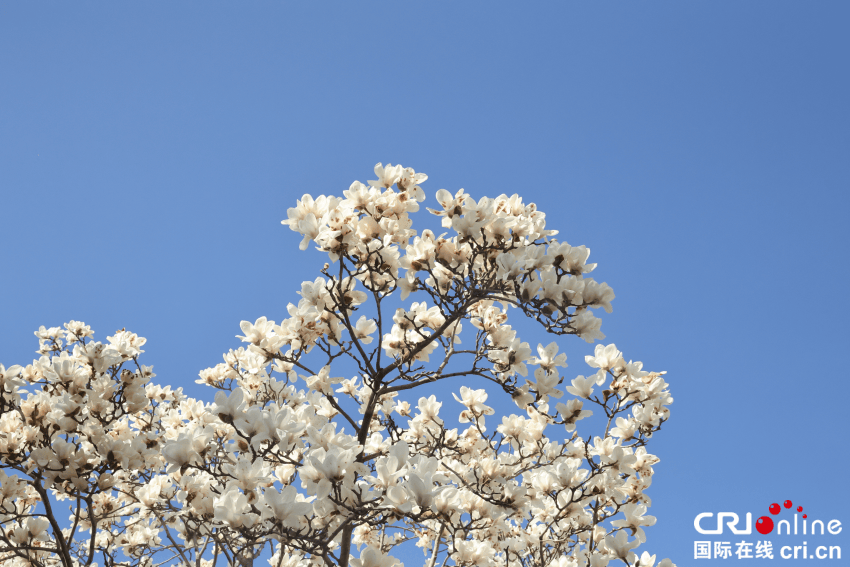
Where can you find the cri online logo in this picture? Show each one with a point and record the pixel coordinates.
(765, 524)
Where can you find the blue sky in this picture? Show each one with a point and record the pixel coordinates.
(148, 152)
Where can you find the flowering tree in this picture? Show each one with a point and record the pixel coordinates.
(343, 471)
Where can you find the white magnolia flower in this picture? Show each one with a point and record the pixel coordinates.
(474, 402)
(572, 412)
(371, 557)
(582, 387)
(548, 357)
(620, 547)
(364, 329)
(635, 520)
(387, 176)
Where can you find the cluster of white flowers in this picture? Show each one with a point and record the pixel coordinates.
(342, 471)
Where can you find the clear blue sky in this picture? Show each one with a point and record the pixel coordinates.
(148, 152)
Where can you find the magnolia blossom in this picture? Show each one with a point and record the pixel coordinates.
(291, 459)
(474, 401)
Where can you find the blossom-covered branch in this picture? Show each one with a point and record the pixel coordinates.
(322, 470)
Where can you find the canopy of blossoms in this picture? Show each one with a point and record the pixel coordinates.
(98, 465)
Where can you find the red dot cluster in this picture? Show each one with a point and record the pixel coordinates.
(764, 525)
